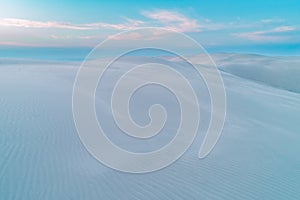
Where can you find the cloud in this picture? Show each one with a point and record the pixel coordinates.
(283, 29)
(173, 20)
(126, 36)
(66, 37)
(150, 34)
(61, 33)
(272, 35)
(129, 24)
(158, 18)
(13, 22)
(272, 21)
(24, 23)
(162, 18)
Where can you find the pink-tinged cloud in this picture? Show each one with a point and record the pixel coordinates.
(126, 36)
(67, 37)
(149, 35)
(173, 20)
(268, 35)
(284, 29)
(163, 18)
(24, 23)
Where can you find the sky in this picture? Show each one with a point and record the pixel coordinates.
(224, 25)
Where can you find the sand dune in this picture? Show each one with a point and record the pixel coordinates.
(257, 156)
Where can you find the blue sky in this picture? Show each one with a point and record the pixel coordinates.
(213, 23)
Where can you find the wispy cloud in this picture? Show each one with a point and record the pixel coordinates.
(173, 20)
(272, 21)
(65, 33)
(274, 34)
(164, 18)
(126, 36)
(66, 37)
(129, 24)
(282, 29)
(62, 33)
(24, 23)
(150, 34)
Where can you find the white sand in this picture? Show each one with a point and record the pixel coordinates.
(257, 156)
